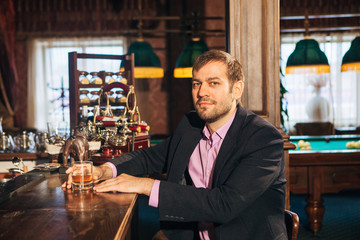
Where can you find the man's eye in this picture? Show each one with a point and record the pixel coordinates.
(214, 83)
(196, 84)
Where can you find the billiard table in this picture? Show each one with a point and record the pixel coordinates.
(328, 167)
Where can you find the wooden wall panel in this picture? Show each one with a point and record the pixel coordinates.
(254, 40)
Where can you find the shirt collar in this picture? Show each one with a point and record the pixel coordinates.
(221, 132)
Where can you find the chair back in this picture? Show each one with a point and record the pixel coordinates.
(292, 224)
(314, 128)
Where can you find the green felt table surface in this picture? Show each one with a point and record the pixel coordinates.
(332, 142)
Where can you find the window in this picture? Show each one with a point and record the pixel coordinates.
(49, 76)
(339, 89)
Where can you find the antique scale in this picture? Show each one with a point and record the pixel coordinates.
(120, 134)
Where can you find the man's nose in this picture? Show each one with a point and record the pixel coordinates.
(203, 90)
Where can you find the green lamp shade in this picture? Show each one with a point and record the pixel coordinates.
(307, 58)
(147, 64)
(193, 49)
(351, 59)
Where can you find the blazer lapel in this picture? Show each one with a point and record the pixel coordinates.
(225, 152)
(229, 144)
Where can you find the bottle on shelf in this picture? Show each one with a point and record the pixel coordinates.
(120, 78)
(109, 77)
(110, 96)
(94, 98)
(84, 98)
(96, 79)
(83, 79)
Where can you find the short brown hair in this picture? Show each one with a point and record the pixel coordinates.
(234, 69)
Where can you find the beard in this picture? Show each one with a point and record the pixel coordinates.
(214, 112)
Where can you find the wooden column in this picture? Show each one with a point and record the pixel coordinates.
(255, 41)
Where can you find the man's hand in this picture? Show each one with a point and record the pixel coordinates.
(126, 183)
(101, 172)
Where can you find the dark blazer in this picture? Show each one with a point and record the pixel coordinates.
(248, 195)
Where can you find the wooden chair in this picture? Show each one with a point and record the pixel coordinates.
(314, 128)
(292, 224)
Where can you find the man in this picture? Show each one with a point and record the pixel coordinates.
(224, 165)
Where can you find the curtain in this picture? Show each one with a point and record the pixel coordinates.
(8, 73)
(48, 95)
(330, 97)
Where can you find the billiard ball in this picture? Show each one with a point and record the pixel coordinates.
(350, 145)
(304, 145)
(327, 139)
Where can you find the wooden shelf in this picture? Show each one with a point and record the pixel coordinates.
(75, 85)
(23, 155)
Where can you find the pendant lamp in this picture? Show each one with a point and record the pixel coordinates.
(307, 58)
(147, 63)
(193, 49)
(351, 59)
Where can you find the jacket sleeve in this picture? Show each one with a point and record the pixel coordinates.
(153, 159)
(253, 168)
(143, 161)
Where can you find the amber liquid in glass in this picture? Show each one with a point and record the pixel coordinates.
(82, 181)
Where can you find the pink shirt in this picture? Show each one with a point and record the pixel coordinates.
(201, 166)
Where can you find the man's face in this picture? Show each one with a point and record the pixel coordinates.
(212, 96)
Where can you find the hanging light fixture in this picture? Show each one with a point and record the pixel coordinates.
(147, 63)
(310, 65)
(191, 51)
(307, 56)
(351, 59)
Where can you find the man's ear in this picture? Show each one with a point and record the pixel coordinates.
(238, 88)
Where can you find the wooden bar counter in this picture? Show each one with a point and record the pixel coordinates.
(36, 207)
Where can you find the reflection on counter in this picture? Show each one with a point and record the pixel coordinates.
(17, 183)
